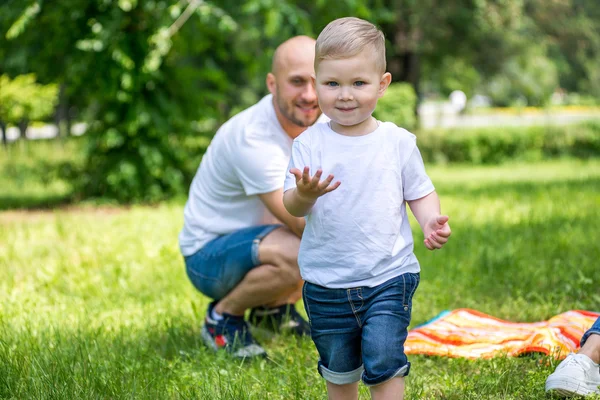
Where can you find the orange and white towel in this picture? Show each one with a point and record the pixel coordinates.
(472, 334)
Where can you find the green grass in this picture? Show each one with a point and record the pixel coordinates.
(95, 303)
(32, 173)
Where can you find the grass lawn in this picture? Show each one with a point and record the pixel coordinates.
(31, 172)
(95, 303)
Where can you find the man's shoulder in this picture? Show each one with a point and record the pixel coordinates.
(255, 124)
(258, 114)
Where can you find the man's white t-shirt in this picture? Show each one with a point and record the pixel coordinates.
(359, 234)
(248, 156)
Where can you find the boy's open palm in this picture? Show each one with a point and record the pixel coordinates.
(310, 188)
(437, 232)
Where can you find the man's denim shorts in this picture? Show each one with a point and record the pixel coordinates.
(222, 263)
(360, 332)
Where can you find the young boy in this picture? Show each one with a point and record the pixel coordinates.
(356, 253)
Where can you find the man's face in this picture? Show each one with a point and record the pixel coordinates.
(295, 95)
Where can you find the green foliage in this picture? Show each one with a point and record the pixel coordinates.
(577, 99)
(22, 99)
(453, 74)
(191, 65)
(398, 106)
(148, 74)
(497, 145)
(20, 24)
(95, 302)
(570, 30)
(527, 80)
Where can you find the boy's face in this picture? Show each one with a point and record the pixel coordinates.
(348, 90)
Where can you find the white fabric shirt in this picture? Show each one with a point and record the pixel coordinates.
(248, 156)
(359, 234)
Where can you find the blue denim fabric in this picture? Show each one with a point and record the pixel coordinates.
(223, 262)
(594, 329)
(360, 332)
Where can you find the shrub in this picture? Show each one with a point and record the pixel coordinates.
(499, 144)
(398, 105)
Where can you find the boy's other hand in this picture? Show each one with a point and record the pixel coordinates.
(437, 232)
(310, 188)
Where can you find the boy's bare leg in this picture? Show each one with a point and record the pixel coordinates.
(342, 392)
(390, 390)
(274, 283)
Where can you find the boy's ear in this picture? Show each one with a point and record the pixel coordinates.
(271, 83)
(313, 80)
(385, 81)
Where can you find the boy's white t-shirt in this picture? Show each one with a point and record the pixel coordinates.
(248, 156)
(359, 234)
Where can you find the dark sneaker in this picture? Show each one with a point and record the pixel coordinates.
(231, 334)
(280, 319)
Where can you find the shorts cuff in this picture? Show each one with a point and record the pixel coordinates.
(400, 372)
(587, 335)
(256, 242)
(341, 378)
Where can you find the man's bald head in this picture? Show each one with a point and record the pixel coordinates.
(293, 51)
(290, 83)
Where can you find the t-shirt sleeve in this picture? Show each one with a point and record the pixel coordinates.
(299, 159)
(260, 165)
(415, 181)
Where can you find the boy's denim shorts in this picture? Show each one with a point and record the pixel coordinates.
(222, 263)
(360, 332)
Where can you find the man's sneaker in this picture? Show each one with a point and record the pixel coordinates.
(231, 334)
(280, 319)
(575, 375)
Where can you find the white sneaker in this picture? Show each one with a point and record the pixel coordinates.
(575, 375)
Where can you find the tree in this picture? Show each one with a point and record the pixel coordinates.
(142, 88)
(571, 30)
(26, 26)
(23, 100)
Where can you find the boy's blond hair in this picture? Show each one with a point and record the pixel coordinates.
(346, 37)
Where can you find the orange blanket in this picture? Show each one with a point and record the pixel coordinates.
(472, 334)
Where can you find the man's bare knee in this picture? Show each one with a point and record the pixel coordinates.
(280, 249)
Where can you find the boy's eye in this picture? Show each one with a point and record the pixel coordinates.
(359, 83)
(331, 84)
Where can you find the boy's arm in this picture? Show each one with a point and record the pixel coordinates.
(300, 200)
(295, 204)
(435, 227)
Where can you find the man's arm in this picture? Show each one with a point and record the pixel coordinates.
(274, 203)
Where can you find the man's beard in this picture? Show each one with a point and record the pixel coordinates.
(287, 111)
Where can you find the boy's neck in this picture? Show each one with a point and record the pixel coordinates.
(364, 128)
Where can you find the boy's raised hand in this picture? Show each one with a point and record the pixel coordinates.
(310, 188)
(437, 232)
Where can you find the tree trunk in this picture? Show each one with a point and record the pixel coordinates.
(23, 125)
(406, 67)
(3, 129)
(62, 118)
(403, 60)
